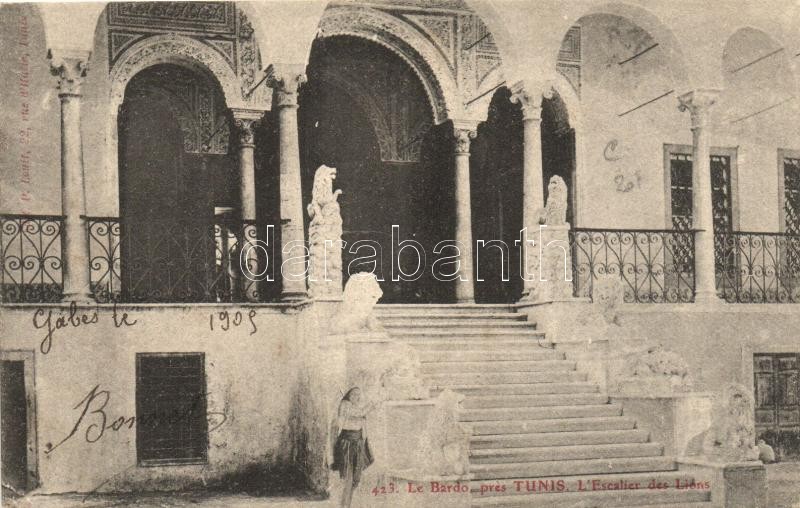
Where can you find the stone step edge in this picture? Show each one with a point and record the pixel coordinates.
(499, 452)
(534, 435)
(602, 463)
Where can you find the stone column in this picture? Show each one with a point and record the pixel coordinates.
(245, 122)
(70, 69)
(285, 80)
(463, 133)
(698, 103)
(532, 182)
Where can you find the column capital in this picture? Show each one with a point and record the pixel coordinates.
(245, 121)
(464, 131)
(69, 67)
(285, 80)
(529, 96)
(698, 103)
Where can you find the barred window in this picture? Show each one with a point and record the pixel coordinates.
(681, 191)
(791, 193)
(171, 421)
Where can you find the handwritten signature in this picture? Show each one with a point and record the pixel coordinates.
(95, 420)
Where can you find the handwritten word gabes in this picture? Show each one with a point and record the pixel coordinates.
(227, 320)
(73, 318)
(95, 420)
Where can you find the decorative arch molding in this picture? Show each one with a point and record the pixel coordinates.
(405, 41)
(176, 49)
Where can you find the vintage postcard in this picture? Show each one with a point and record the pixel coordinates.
(400, 253)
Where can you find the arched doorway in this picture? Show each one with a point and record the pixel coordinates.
(558, 149)
(497, 188)
(365, 112)
(175, 175)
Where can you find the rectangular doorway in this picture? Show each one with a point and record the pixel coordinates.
(777, 401)
(17, 423)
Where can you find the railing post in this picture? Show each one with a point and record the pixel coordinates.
(698, 103)
(70, 69)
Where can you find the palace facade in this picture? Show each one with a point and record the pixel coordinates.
(156, 155)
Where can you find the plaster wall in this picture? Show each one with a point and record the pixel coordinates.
(718, 345)
(251, 383)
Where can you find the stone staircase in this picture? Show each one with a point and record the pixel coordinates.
(542, 433)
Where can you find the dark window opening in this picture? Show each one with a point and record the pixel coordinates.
(171, 421)
(791, 203)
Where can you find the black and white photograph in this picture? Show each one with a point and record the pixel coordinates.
(400, 254)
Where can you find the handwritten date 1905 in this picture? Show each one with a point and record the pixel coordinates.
(227, 320)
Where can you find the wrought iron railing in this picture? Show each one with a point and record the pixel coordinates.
(166, 261)
(757, 267)
(104, 257)
(30, 254)
(654, 266)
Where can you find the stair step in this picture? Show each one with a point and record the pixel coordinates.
(529, 470)
(522, 388)
(559, 399)
(552, 425)
(640, 497)
(463, 378)
(414, 316)
(499, 366)
(540, 413)
(512, 333)
(535, 343)
(558, 453)
(471, 324)
(491, 355)
(590, 437)
(427, 309)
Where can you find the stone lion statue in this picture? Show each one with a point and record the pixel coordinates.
(732, 435)
(650, 370)
(361, 293)
(607, 294)
(325, 261)
(555, 210)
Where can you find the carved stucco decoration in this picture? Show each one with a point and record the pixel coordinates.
(408, 43)
(173, 48)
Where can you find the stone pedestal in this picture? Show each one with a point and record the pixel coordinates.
(672, 419)
(734, 484)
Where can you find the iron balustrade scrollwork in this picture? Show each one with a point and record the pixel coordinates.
(756, 267)
(104, 257)
(30, 253)
(168, 261)
(654, 266)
